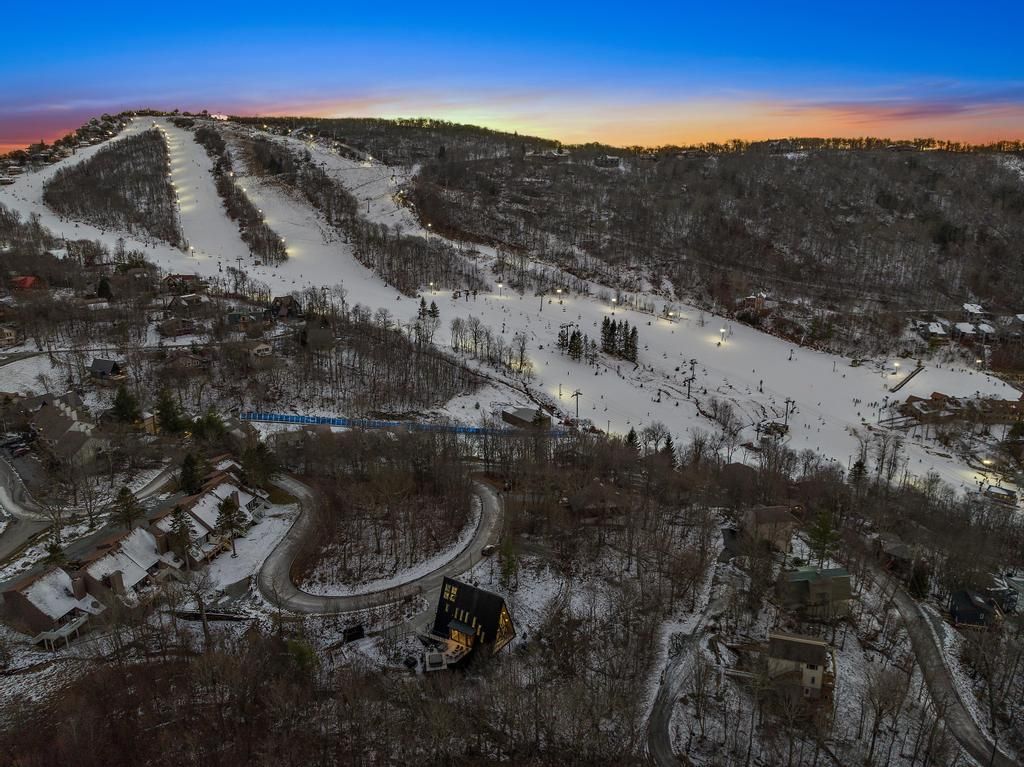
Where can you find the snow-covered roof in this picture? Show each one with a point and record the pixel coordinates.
(133, 555)
(206, 509)
(987, 329)
(973, 309)
(936, 329)
(966, 328)
(53, 595)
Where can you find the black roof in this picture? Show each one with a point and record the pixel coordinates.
(485, 606)
(965, 604)
(104, 367)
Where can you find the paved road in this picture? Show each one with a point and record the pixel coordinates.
(942, 687)
(275, 583)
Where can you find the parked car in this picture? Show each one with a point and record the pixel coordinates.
(488, 550)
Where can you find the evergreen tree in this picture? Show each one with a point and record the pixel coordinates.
(563, 338)
(669, 451)
(607, 335)
(230, 521)
(433, 311)
(259, 464)
(592, 351)
(126, 407)
(208, 428)
(103, 289)
(54, 553)
(613, 338)
(168, 413)
(633, 441)
(189, 479)
(631, 345)
(822, 537)
(423, 308)
(126, 507)
(575, 345)
(181, 532)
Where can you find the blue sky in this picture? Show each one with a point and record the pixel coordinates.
(648, 73)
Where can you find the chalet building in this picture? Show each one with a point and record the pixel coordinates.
(773, 525)
(66, 431)
(800, 665)
(473, 619)
(942, 408)
(526, 417)
(284, 307)
(895, 555)
(819, 594)
(190, 305)
(51, 604)
(176, 326)
(126, 564)
(969, 608)
(607, 161)
(107, 370)
(974, 312)
(8, 336)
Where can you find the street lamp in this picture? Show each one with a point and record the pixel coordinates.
(499, 289)
(614, 301)
(722, 331)
(896, 365)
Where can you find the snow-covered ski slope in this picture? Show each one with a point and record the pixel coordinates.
(751, 369)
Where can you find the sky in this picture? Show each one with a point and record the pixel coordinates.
(647, 73)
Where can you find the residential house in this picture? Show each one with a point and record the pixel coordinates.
(896, 556)
(801, 665)
(472, 618)
(66, 431)
(965, 332)
(8, 336)
(607, 161)
(176, 326)
(817, 593)
(283, 307)
(969, 608)
(126, 564)
(51, 604)
(185, 361)
(974, 312)
(107, 370)
(773, 525)
(190, 305)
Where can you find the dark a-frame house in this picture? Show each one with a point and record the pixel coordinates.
(472, 617)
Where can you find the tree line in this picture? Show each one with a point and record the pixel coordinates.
(126, 185)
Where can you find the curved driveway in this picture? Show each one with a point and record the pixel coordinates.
(275, 582)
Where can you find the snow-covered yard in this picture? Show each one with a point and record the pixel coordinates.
(253, 547)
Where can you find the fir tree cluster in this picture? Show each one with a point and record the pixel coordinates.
(619, 339)
(578, 345)
(431, 311)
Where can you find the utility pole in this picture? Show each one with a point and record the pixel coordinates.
(788, 403)
(576, 394)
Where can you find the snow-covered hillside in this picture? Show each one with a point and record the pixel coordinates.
(755, 371)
